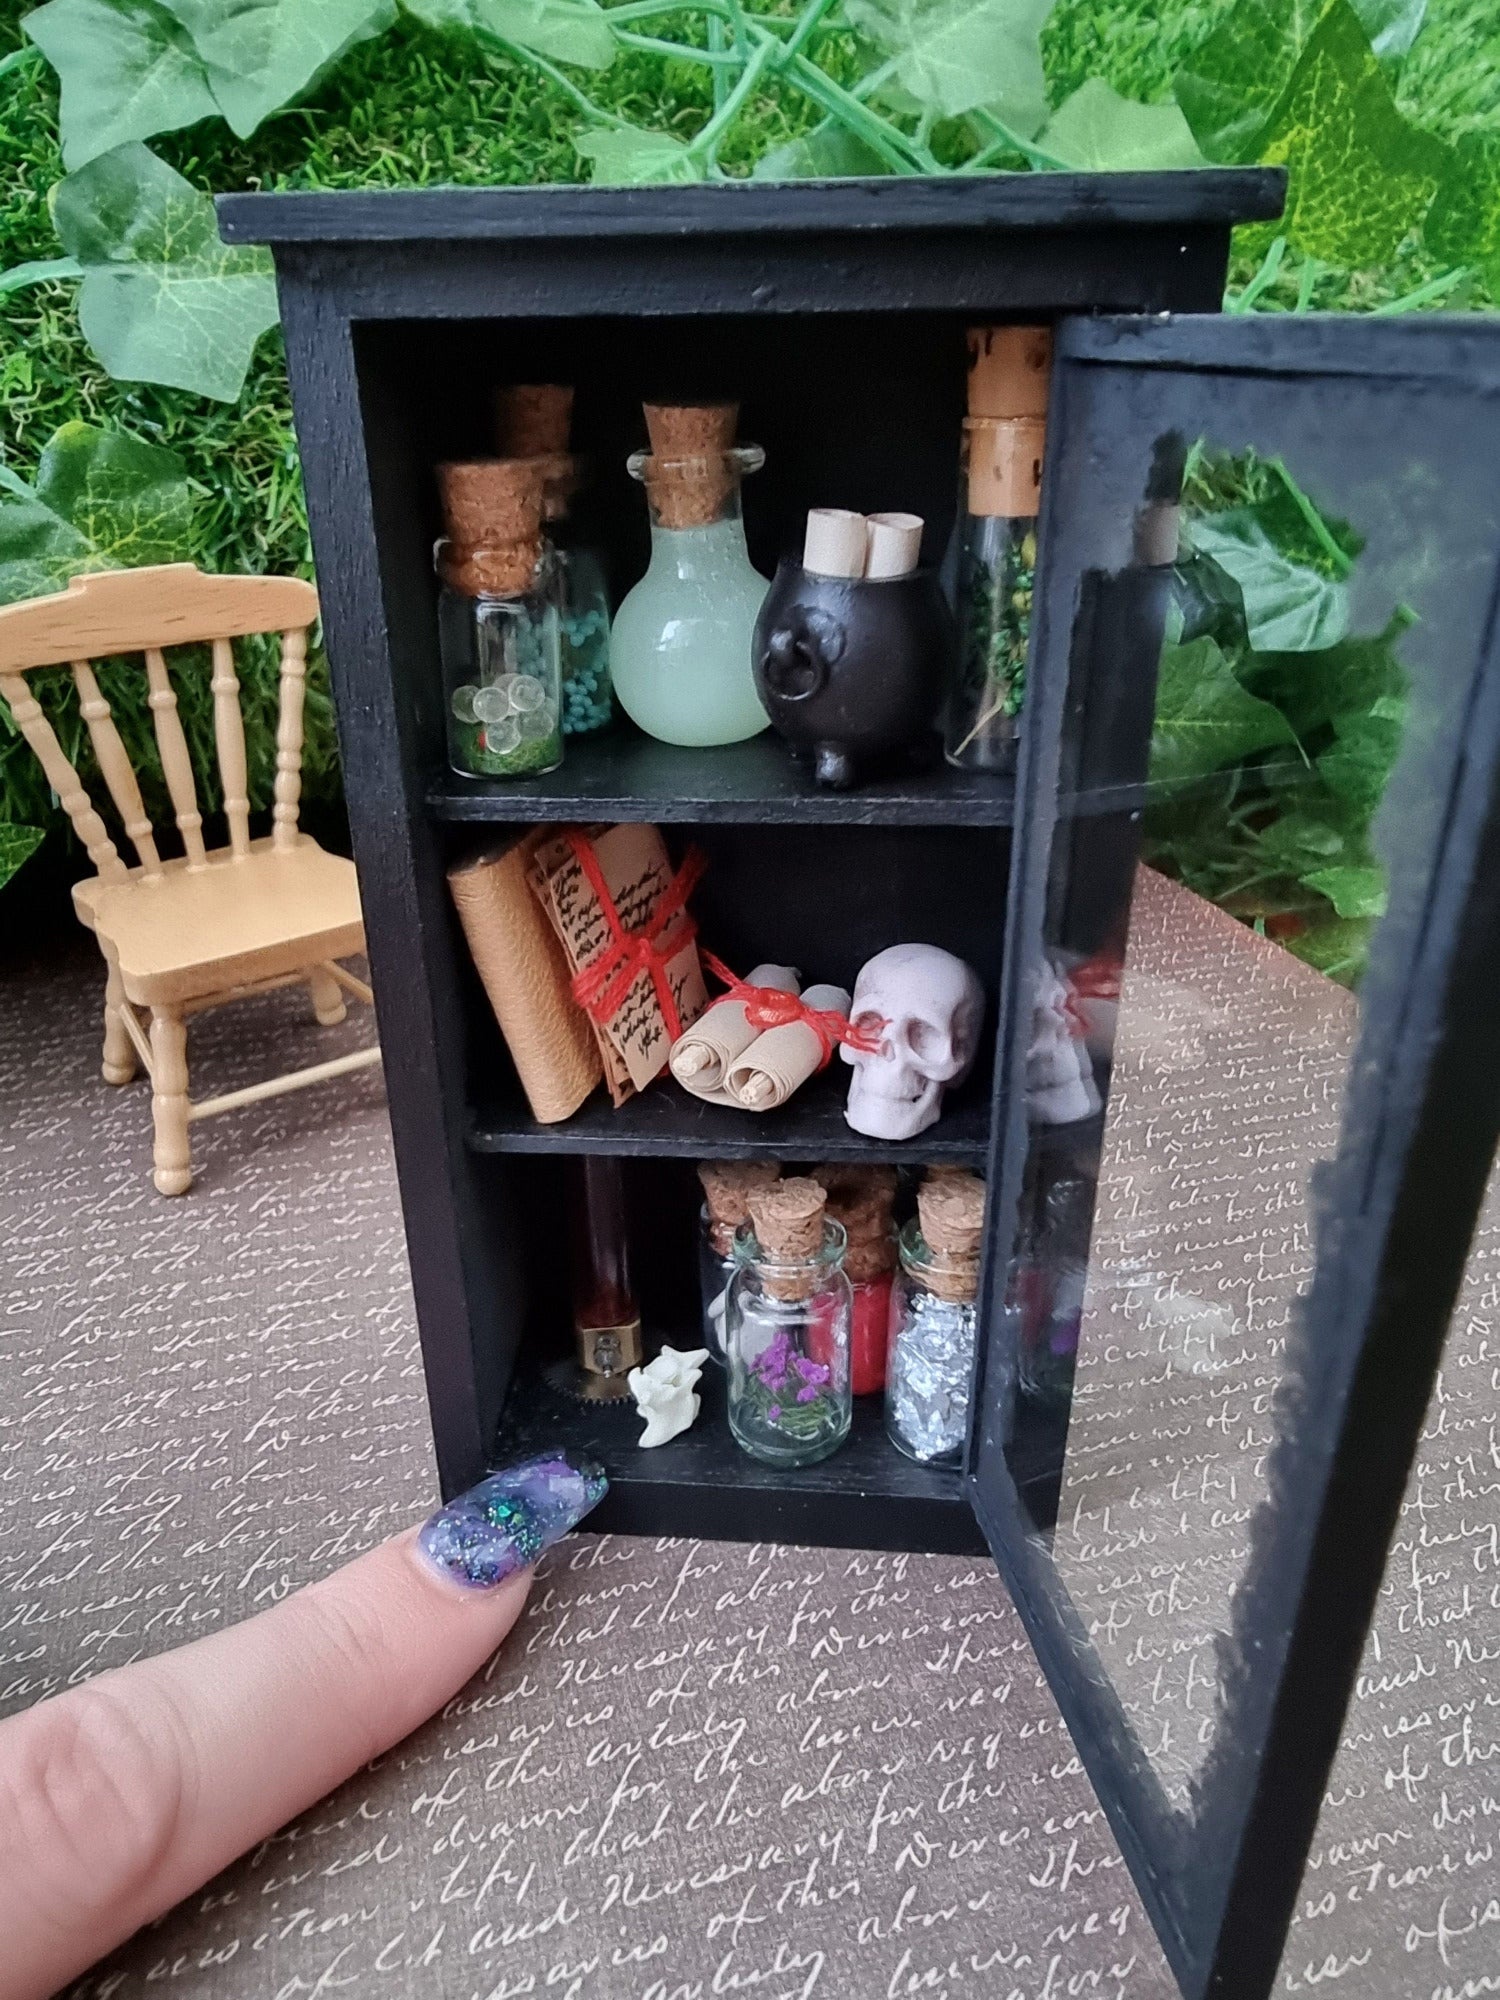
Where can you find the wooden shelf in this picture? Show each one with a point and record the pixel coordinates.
(867, 1495)
(664, 1122)
(624, 775)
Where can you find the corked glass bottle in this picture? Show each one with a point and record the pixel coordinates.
(680, 643)
(787, 1328)
(1000, 489)
(498, 626)
(606, 1317)
(533, 421)
(861, 1200)
(934, 1316)
(727, 1186)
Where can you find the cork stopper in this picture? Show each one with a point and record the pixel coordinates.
(1005, 465)
(727, 1185)
(1010, 370)
(689, 474)
(862, 1198)
(493, 509)
(788, 1218)
(532, 419)
(788, 1222)
(951, 1212)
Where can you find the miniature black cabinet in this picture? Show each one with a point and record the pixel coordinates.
(835, 314)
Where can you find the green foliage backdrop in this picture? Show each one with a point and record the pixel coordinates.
(142, 389)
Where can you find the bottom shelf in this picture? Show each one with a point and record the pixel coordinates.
(866, 1496)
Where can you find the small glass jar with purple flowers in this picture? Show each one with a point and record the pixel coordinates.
(786, 1327)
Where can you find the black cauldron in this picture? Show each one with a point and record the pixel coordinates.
(852, 668)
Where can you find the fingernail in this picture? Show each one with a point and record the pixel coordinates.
(505, 1522)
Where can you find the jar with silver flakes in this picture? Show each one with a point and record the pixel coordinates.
(934, 1318)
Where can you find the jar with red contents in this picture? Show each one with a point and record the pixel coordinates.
(861, 1199)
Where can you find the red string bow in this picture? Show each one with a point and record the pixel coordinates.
(600, 988)
(768, 1007)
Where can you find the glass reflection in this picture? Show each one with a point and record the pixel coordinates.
(1194, 1023)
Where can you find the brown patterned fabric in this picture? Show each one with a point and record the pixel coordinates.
(697, 1769)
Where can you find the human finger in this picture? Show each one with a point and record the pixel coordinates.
(119, 1797)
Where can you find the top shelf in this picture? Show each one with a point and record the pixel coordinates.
(623, 775)
(918, 204)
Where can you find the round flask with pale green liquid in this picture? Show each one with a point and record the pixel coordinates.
(679, 647)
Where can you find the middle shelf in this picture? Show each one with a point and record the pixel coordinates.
(664, 1122)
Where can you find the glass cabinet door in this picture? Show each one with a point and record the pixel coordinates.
(1248, 1083)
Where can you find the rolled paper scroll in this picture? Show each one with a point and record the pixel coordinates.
(782, 1059)
(701, 1057)
(895, 544)
(835, 543)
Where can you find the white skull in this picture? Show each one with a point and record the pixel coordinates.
(932, 1007)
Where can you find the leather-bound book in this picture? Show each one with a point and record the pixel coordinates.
(526, 974)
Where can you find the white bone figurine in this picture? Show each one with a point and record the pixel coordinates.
(932, 1008)
(665, 1393)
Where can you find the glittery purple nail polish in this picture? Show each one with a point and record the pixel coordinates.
(505, 1522)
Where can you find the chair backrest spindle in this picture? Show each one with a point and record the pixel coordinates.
(115, 767)
(288, 791)
(61, 776)
(144, 611)
(229, 737)
(176, 763)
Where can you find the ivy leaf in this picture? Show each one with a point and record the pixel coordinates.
(954, 56)
(1392, 25)
(1463, 224)
(1358, 766)
(1230, 85)
(1204, 718)
(126, 70)
(569, 31)
(1340, 947)
(1359, 176)
(1296, 842)
(828, 152)
(627, 156)
(261, 54)
(162, 300)
(1352, 677)
(1353, 892)
(102, 500)
(1098, 130)
(1289, 608)
(17, 845)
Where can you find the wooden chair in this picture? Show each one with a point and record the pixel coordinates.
(183, 935)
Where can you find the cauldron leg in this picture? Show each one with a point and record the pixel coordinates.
(833, 767)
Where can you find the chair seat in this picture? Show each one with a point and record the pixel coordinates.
(189, 933)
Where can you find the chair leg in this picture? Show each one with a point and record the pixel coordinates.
(169, 1101)
(327, 997)
(119, 1050)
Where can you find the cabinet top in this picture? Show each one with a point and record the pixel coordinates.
(1221, 195)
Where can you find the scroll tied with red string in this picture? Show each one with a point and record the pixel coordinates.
(620, 911)
(766, 1007)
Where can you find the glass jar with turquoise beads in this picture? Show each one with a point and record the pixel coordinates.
(588, 702)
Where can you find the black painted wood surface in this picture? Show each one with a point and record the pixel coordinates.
(1219, 196)
(837, 313)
